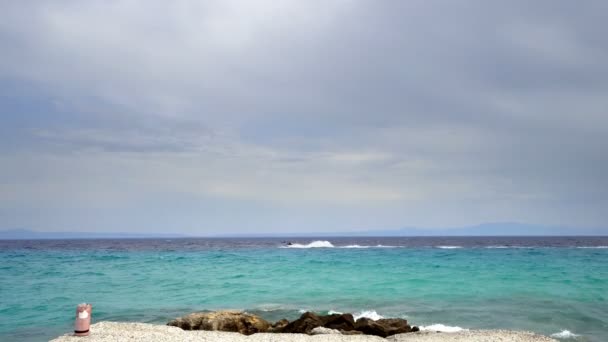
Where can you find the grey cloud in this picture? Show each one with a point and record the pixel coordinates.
(479, 109)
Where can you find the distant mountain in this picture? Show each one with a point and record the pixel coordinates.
(490, 229)
(24, 234)
(485, 229)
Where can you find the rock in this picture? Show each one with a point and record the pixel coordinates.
(309, 321)
(324, 331)
(303, 325)
(278, 326)
(234, 321)
(382, 327)
(414, 329)
(344, 322)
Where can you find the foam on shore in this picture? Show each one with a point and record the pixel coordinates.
(371, 314)
(565, 334)
(441, 328)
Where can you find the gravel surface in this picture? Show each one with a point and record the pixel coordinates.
(113, 331)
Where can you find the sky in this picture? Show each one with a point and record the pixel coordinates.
(232, 116)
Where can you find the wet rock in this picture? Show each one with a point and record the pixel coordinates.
(233, 321)
(382, 327)
(308, 321)
(278, 325)
(344, 322)
(303, 325)
(414, 329)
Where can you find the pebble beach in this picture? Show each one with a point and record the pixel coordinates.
(116, 331)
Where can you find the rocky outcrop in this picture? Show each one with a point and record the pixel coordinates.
(382, 327)
(308, 321)
(303, 325)
(342, 322)
(233, 321)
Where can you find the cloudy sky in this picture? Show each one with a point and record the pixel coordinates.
(268, 116)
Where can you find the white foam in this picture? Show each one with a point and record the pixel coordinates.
(314, 244)
(449, 247)
(359, 246)
(371, 314)
(513, 247)
(441, 328)
(332, 312)
(266, 307)
(565, 334)
(593, 247)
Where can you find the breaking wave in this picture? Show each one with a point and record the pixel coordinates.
(314, 244)
(513, 247)
(327, 244)
(359, 246)
(441, 328)
(371, 314)
(564, 334)
(449, 247)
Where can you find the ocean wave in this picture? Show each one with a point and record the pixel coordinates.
(441, 328)
(514, 247)
(359, 246)
(269, 307)
(448, 247)
(592, 247)
(564, 334)
(314, 244)
(371, 314)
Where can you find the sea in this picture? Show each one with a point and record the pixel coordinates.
(555, 286)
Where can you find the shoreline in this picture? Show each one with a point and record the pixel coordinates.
(146, 332)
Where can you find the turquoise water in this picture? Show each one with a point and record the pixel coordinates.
(543, 289)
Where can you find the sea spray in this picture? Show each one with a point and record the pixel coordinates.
(371, 314)
(314, 244)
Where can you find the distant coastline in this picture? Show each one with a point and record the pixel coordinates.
(485, 229)
(26, 234)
